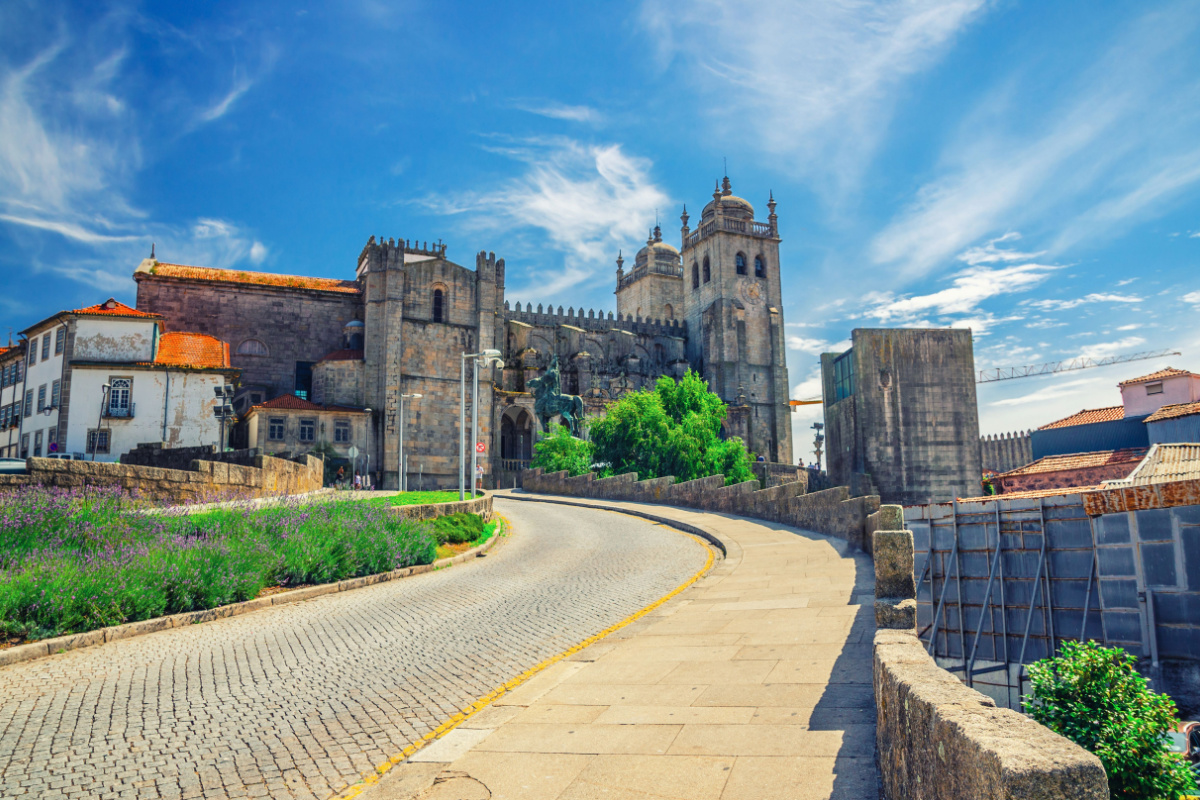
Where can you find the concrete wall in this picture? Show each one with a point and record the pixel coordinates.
(831, 512)
(481, 505)
(935, 737)
(115, 339)
(204, 481)
(1179, 389)
(912, 423)
(1176, 429)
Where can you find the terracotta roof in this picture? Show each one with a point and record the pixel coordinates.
(192, 350)
(1100, 458)
(114, 308)
(293, 403)
(1164, 463)
(344, 355)
(1029, 493)
(1174, 410)
(1169, 372)
(259, 278)
(1088, 416)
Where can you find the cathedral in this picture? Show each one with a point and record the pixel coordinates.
(315, 351)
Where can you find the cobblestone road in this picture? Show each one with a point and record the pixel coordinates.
(299, 701)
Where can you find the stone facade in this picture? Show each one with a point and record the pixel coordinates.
(901, 415)
(401, 326)
(1004, 451)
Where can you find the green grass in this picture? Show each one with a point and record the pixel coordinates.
(486, 532)
(421, 498)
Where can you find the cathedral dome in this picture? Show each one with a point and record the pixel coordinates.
(731, 205)
(657, 253)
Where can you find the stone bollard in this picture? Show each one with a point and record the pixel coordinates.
(895, 588)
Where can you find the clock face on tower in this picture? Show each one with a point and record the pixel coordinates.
(751, 292)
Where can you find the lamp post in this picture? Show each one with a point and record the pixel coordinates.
(401, 477)
(105, 388)
(367, 471)
(486, 358)
(223, 410)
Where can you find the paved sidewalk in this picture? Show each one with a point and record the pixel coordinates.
(754, 683)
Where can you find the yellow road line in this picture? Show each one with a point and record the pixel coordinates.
(373, 777)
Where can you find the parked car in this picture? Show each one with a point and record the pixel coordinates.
(1185, 741)
(12, 466)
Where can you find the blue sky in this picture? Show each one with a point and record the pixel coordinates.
(1030, 170)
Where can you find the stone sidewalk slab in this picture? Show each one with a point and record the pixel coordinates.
(753, 683)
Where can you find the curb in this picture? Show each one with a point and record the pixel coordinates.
(76, 641)
(687, 527)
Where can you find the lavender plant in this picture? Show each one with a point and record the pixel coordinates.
(73, 560)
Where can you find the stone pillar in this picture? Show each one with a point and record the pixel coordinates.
(895, 585)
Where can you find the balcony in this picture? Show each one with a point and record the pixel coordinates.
(115, 412)
(760, 229)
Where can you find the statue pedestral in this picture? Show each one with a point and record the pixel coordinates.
(549, 401)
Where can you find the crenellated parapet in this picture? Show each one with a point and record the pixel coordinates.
(592, 320)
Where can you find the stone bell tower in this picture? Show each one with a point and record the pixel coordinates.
(732, 302)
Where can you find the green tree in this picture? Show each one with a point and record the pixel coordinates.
(672, 429)
(560, 450)
(1093, 696)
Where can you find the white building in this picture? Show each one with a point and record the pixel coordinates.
(103, 379)
(12, 398)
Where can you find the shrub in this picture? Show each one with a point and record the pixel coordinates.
(1093, 696)
(560, 450)
(672, 429)
(458, 528)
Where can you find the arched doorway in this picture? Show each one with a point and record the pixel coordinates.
(516, 439)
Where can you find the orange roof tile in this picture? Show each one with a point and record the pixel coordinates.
(114, 308)
(1088, 416)
(293, 403)
(344, 355)
(258, 278)
(1100, 458)
(181, 349)
(1174, 410)
(1030, 494)
(1169, 372)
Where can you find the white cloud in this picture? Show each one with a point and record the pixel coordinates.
(68, 229)
(588, 200)
(819, 79)
(1135, 326)
(1106, 349)
(805, 344)
(1191, 297)
(1107, 152)
(1095, 297)
(968, 289)
(222, 106)
(563, 112)
(258, 252)
(1057, 390)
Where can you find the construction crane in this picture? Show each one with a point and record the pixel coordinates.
(1052, 367)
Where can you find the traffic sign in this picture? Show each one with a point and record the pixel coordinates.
(352, 452)
(479, 448)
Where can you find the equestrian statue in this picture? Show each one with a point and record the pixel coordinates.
(549, 401)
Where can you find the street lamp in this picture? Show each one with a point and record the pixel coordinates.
(486, 358)
(367, 471)
(224, 409)
(105, 388)
(402, 482)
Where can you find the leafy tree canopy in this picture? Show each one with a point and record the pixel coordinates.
(1093, 696)
(672, 429)
(560, 450)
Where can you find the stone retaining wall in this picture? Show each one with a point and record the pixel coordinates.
(936, 738)
(832, 512)
(204, 481)
(481, 505)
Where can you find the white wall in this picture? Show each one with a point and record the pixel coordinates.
(189, 409)
(1180, 389)
(114, 339)
(42, 373)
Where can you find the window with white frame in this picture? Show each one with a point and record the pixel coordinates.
(41, 398)
(25, 445)
(97, 440)
(56, 394)
(29, 402)
(37, 444)
(341, 431)
(60, 340)
(308, 430)
(45, 347)
(33, 351)
(275, 428)
(119, 397)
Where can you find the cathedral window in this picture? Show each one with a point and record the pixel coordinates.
(707, 271)
(695, 275)
(668, 311)
(252, 347)
(741, 264)
(439, 306)
(760, 269)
